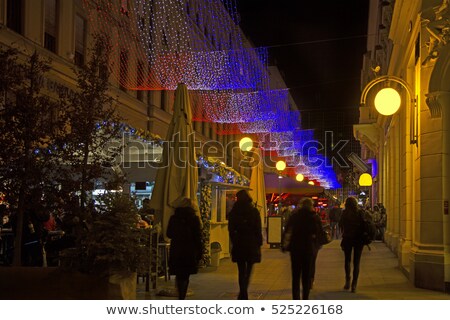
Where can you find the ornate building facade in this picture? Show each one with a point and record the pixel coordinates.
(409, 40)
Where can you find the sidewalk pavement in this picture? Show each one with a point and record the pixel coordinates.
(380, 279)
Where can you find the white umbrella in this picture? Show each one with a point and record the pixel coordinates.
(177, 180)
(257, 186)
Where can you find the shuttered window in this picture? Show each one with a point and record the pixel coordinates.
(50, 25)
(80, 36)
(14, 15)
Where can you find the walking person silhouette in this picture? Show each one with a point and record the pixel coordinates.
(351, 224)
(244, 227)
(185, 246)
(304, 227)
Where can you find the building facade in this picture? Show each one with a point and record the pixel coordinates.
(409, 40)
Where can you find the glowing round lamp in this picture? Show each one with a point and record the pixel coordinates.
(246, 144)
(280, 165)
(365, 180)
(299, 177)
(311, 183)
(387, 101)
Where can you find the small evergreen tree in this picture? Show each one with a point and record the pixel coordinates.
(93, 125)
(113, 243)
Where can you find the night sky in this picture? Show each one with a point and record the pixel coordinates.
(318, 46)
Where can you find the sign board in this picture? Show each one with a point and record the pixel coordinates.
(274, 230)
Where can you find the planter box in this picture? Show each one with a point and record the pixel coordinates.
(28, 283)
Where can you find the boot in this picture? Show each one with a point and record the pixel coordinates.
(347, 284)
(354, 283)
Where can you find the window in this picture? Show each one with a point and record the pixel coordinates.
(14, 15)
(123, 69)
(50, 25)
(80, 31)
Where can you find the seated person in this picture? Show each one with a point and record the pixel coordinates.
(141, 223)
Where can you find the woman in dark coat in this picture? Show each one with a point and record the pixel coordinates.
(244, 227)
(303, 229)
(351, 225)
(185, 246)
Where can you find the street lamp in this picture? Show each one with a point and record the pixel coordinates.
(246, 144)
(387, 101)
(299, 177)
(280, 165)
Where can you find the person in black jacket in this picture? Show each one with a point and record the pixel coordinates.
(244, 227)
(303, 229)
(351, 225)
(185, 247)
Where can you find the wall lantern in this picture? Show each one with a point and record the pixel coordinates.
(388, 101)
(365, 180)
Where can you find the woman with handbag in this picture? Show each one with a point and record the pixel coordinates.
(303, 228)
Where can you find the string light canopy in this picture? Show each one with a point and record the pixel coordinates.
(198, 43)
(280, 122)
(274, 140)
(175, 41)
(233, 107)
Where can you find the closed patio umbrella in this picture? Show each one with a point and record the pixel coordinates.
(258, 188)
(177, 179)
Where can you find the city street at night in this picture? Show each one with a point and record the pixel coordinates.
(167, 149)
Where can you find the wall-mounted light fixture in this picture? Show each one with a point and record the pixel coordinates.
(388, 101)
(365, 180)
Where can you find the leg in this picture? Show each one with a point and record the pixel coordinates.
(248, 274)
(296, 272)
(182, 281)
(306, 264)
(356, 262)
(245, 270)
(333, 230)
(348, 259)
(313, 267)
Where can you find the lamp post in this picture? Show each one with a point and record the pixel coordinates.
(387, 101)
(280, 165)
(246, 146)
